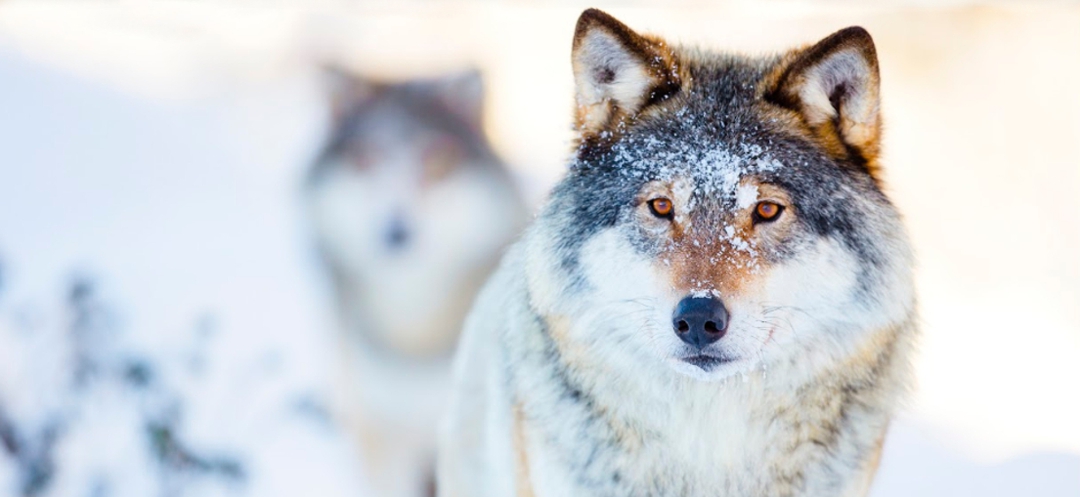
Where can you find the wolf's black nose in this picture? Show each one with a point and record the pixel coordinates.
(700, 321)
(397, 234)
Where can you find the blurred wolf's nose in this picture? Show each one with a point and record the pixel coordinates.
(397, 234)
(700, 321)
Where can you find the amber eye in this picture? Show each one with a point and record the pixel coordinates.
(767, 211)
(661, 207)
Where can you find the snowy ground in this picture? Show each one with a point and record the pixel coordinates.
(160, 330)
(163, 327)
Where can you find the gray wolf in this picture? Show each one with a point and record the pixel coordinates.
(717, 299)
(411, 209)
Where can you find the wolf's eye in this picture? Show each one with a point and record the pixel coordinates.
(767, 211)
(440, 158)
(661, 207)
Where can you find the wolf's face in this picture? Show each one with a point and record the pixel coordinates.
(723, 213)
(411, 206)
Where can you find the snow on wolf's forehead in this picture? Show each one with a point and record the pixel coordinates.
(715, 169)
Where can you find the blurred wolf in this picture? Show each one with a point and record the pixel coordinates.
(716, 300)
(411, 209)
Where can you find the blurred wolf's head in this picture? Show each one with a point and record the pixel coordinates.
(410, 206)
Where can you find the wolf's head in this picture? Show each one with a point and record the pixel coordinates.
(410, 205)
(722, 211)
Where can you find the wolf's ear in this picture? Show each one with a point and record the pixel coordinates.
(617, 72)
(347, 91)
(463, 94)
(833, 86)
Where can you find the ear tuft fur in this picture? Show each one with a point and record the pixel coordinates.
(834, 87)
(617, 72)
(463, 94)
(347, 90)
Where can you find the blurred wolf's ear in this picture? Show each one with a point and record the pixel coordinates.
(833, 85)
(346, 91)
(617, 72)
(463, 94)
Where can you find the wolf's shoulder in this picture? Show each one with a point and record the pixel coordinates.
(474, 451)
(495, 301)
(492, 314)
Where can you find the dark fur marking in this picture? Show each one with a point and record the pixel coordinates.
(605, 75)
(599, 207)
(662, 92)
(835, 99)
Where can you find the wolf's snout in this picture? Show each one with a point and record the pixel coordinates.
(700, 321)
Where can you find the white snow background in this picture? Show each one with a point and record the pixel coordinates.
(147, 234)
(163, 326)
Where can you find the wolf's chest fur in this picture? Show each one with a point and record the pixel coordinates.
(755, 434)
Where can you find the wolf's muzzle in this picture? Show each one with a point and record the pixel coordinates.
(700, 321)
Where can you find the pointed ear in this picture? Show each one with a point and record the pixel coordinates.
(617, 72)
(347, 91)
(463, 94)
(833, 86)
